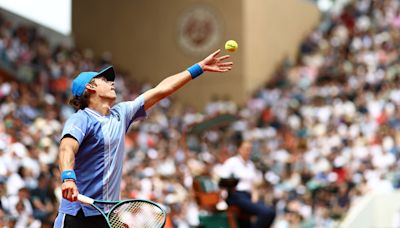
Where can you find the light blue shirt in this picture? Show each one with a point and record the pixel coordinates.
(98, 162)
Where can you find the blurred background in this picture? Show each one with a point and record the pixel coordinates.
(315, 87)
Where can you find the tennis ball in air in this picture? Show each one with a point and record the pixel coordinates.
(231, 45)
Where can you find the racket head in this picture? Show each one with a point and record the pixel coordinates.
(136, 213)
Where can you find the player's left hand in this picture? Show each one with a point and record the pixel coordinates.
(214, 63)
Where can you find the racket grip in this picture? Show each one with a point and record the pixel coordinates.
(85, 199)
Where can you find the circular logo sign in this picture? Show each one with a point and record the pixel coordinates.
(199, 30)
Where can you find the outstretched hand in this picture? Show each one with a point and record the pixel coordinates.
(214, 63)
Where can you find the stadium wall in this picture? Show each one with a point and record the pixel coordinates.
(146, 38)
(374, 210)
(284, 24)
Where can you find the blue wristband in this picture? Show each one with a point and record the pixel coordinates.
(195, 70)
(68, 175)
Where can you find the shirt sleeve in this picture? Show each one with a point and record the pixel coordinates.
(132, 110)
(75, 126)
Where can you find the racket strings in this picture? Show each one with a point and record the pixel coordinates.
(136, 214)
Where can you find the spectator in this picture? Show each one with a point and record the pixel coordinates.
(21, 209)
(43, 201)
(244, 194)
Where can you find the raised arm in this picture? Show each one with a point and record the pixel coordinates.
(68, 148)
(213, 63)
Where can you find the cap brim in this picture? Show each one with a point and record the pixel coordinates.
(108, 73)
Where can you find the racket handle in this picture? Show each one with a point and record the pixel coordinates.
(85, 199)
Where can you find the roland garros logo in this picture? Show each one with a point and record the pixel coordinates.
(199, 30)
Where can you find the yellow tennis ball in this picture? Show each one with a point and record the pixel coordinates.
(231, 45)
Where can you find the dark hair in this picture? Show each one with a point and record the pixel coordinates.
(237, 139)
(82, 101)
(21, 171)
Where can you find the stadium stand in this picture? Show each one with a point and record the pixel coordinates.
(325, 131)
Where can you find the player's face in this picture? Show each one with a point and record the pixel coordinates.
(104, 88)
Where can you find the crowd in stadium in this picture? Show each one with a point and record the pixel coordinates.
(325, 130)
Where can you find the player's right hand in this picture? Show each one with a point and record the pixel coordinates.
(69, 190)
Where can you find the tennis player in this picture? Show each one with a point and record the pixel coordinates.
(91, 150)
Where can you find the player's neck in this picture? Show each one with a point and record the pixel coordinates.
(102, 106)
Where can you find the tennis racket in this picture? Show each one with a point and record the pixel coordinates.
(133, 213)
